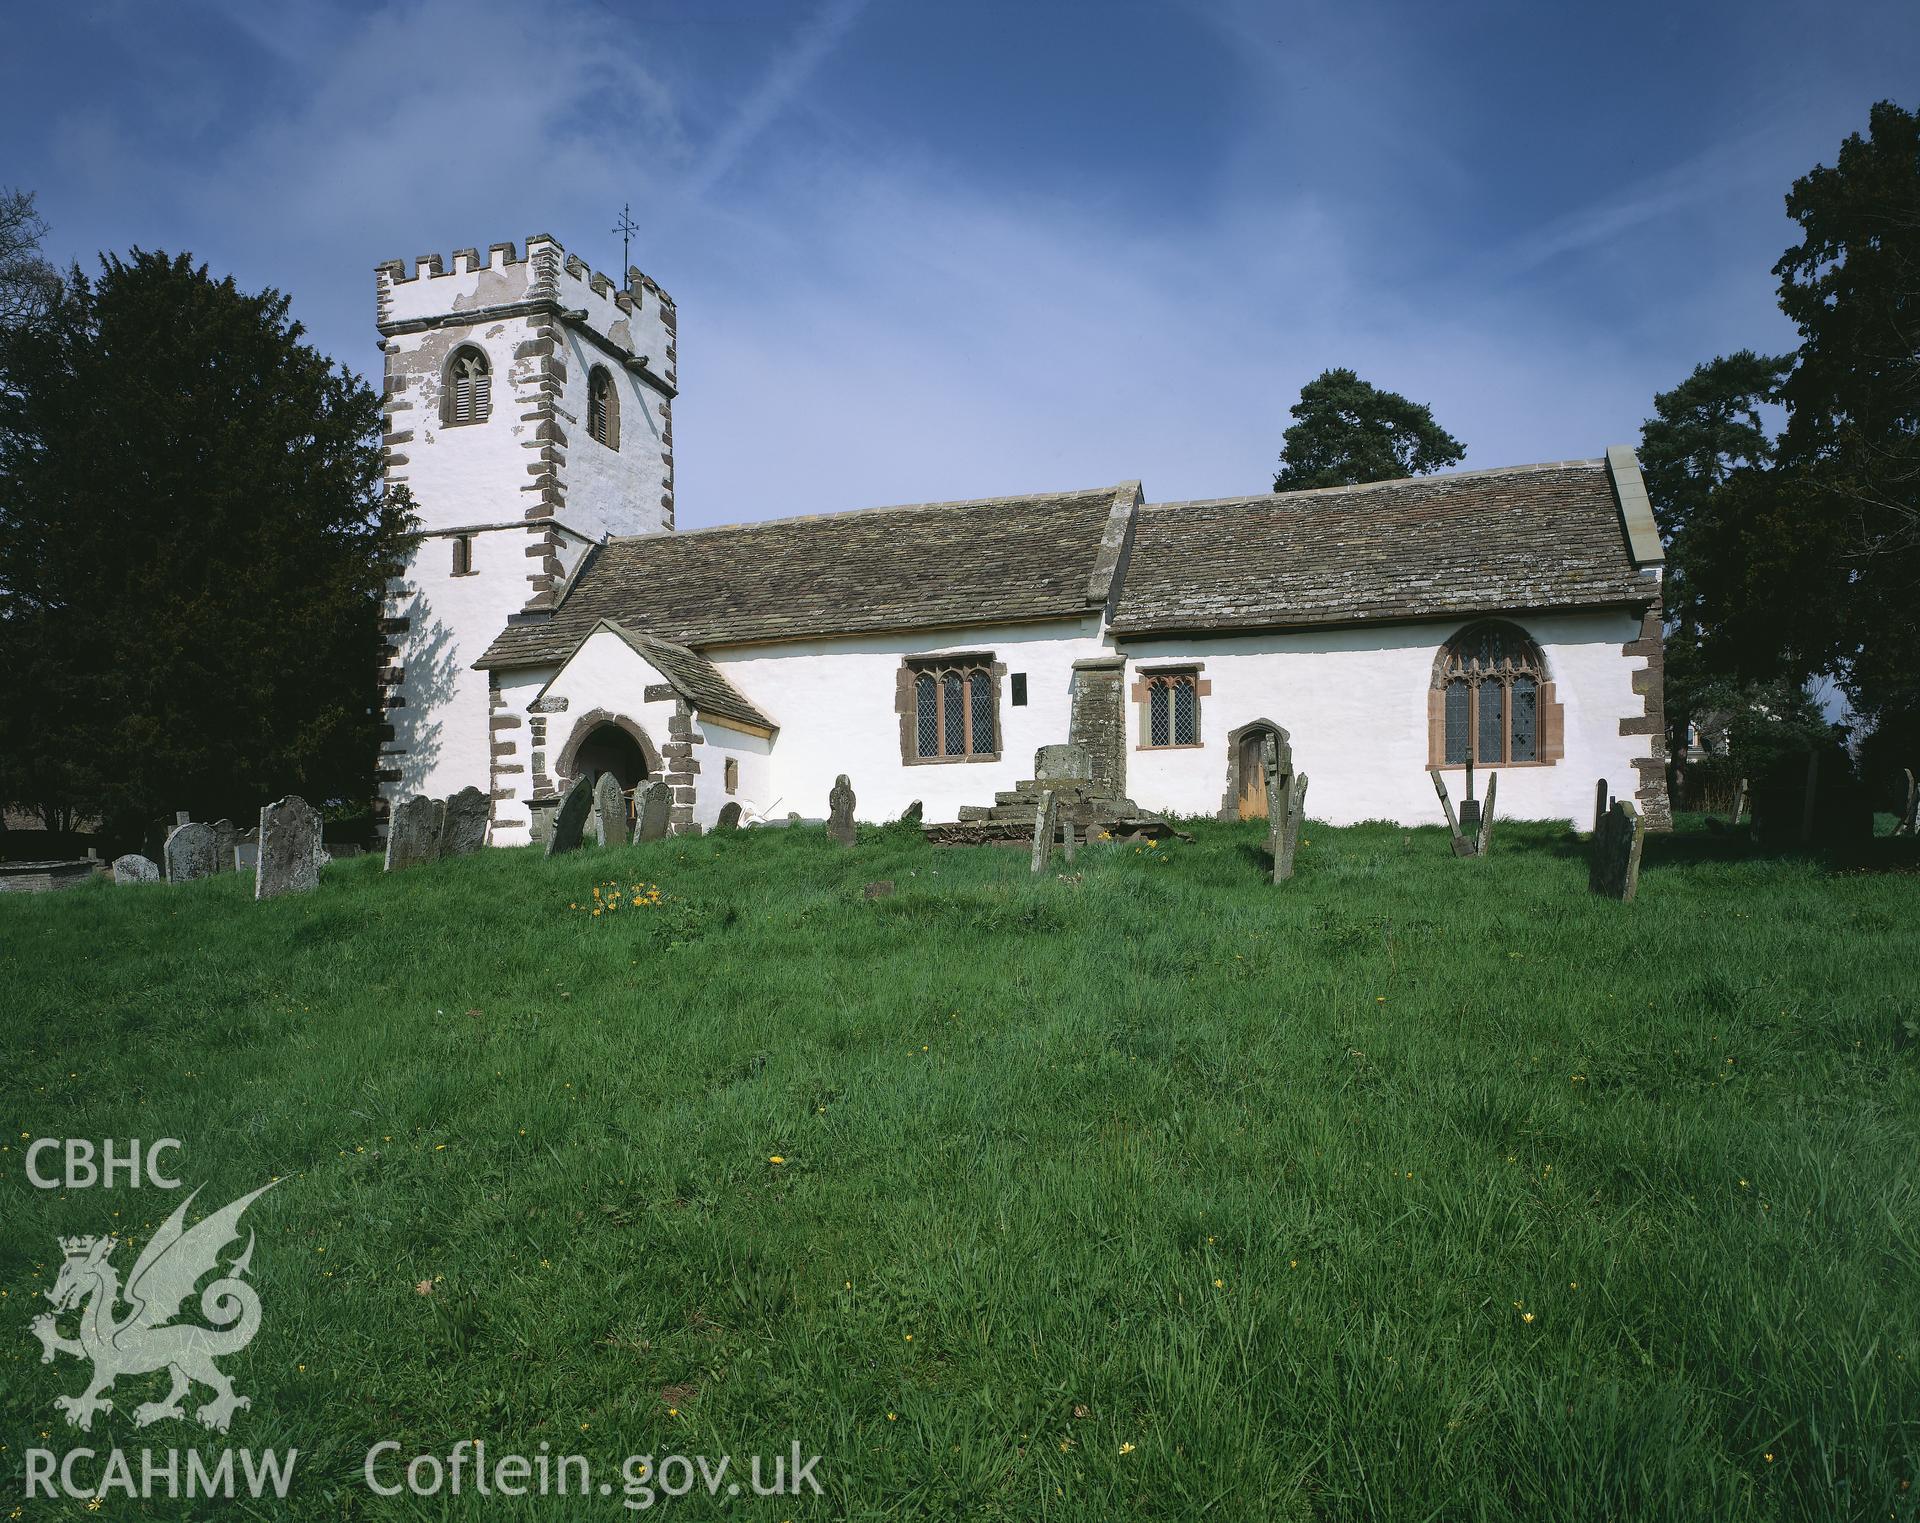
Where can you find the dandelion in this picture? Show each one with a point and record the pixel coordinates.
(1219, 1284)
(909, 1337)
(776, 1158)
(1526, 1316)
(1769, 1458)
(891, 1417)
(1126, 1448)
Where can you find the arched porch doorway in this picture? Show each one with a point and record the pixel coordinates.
(608, 748)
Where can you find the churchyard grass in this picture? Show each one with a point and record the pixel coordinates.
(1413, 1188)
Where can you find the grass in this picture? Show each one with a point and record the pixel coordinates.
(1415, 1188)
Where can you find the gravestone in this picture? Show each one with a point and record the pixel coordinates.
(1067, 842)
(1602, 802)
(189, 853)
(246, 855)
(656, 810)
(1485, 840)
(182, 817)
(1286, 803)
(1046, 824)
(1615, 867)
(1905, 825)
(134, 868)
(411, 836)
(1464, 828)
(225, 835)
(570, 819)
(911, 814)
(729, 817)
(840, 811)
(610, 812)
(153, 841)
(291, 853)
(439, 825)
(465, 829)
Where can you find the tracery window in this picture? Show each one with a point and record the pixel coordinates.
(955, 709)
(603, 407)
(1492, 700)
(468, 395)
(1172, 700)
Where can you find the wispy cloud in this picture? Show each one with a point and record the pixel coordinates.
(791, 72)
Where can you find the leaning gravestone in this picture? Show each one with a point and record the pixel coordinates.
(291, 853)
(225, 836)
(134, 868)
(1615, 869)
(729, 818)
(656, 810)
(840, 811)
(464, 830)
(570, 819)
(411, 836)
(610, 812)
(189, 853)
(1046, 823)
(911, 814)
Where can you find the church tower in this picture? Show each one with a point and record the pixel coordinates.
(529, 410)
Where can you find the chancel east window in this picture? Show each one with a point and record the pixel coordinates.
(1172, 702)
(603, 407)
(1491, 699)
(468, 395)
(954, 710)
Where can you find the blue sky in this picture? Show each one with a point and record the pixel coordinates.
(930, 251)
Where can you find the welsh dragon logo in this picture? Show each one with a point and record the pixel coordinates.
(147, 1338)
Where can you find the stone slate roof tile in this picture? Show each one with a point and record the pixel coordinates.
(1522, 538)
(992, 561)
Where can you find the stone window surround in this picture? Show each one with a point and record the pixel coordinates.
(1549, 715)
(609, 433)
(903, 702)
(485, 409)
(1146, 678)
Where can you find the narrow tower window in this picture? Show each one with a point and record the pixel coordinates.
(463, 555)
(603, 407)
(468, 395)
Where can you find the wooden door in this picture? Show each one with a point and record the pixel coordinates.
(1253, 774)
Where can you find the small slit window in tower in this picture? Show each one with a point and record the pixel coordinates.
(463, 555)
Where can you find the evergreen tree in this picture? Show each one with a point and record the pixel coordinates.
(194, 545)
(1347, 431)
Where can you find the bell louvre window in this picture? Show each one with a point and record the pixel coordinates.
(468, 395)
(1173, 709)
(955, 710)
(1492, 701)
(603, 407)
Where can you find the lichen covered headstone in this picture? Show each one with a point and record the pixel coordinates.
(189, 853)
(225, 835)
(412, 837)
(464, 830)
(570, 819)
(656, 810)
(1615, 865)
(911, 814)
(610, 812)
(1046, 824)
(291, 852)
(840, 811)
(134, 868)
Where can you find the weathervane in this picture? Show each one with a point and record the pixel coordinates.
(626, 227)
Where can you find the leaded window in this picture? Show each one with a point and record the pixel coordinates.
(1491, 676)
(955, 710)
(1173, 709)
(468, 396)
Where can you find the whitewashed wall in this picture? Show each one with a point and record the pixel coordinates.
(834, 703)
(1355, 704)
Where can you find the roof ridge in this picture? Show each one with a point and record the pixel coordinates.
(1597, 463)
(893, 507)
